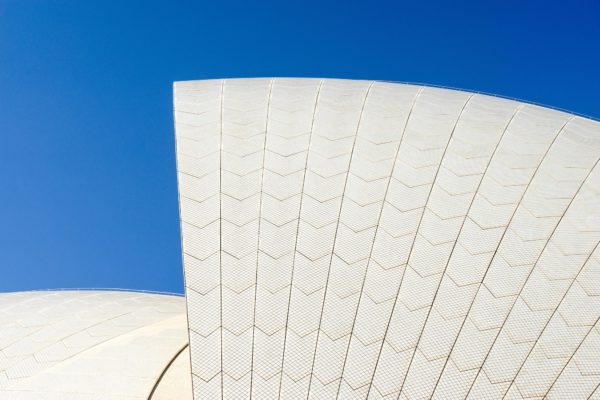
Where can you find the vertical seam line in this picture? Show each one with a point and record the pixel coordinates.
(335, 237)
(499, 243)
(529, 275)
(383, 341)
(297, 232)
(383, 203)
(221, 231)
(550, 319)
(518, 108)
(595, 326)
(262, 180)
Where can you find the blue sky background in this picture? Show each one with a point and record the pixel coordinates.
(88, 194)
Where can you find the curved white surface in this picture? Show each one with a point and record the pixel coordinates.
(84, 345)
(176, 383)
(355, 239)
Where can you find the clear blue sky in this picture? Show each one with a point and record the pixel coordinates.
(88, 194)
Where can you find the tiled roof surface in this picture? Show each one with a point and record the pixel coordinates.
(87, 345)
(358, 239)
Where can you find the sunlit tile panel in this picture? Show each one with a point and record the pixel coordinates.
(358, 239)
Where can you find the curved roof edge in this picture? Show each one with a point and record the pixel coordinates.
(98, 290)
(431, 85)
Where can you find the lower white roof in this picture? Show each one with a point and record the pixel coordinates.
(85, 345)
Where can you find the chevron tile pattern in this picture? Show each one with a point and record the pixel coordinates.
(356, 239)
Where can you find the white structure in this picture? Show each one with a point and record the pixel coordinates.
(354, 239)
(347, 240)
(93, 345)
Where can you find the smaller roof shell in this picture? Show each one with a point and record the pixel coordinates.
(92, 345)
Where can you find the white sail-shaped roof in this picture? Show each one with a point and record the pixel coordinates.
(93, 345)
(358, 239)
